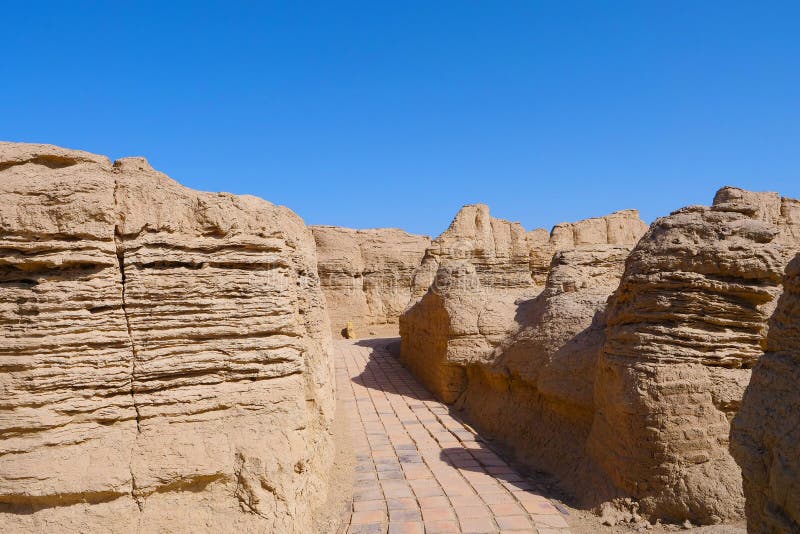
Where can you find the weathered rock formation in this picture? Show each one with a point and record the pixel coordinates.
(505, 256)
(465, 312)
(535, 392)
(367, 275)
(619, 228)
(632, 404)
(456, 323)
(687, 323)
(497, 249)
(521, 367)
(165, 360)
(765, 434)
(370, 276)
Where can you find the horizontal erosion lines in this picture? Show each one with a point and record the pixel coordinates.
(42, 240)
(41, 347)
(31, 274)
(243, 247)
(687, 330)
(33, 503)
(220, 370)
(155, 235)
(155, 338)
(675, 318)
(228, 252)
(203, 326)
(100, 386)
(734, 357)
(163, 383)
(47, 253)
(61, 320)
(187, 483)
(152, 303)
(684, 336)
(152, 372)
(164, 265)
(752, 288)
(70, 423)
(51, 161)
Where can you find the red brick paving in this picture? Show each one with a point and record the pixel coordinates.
(418, 469)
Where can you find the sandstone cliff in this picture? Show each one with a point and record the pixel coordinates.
(685, 326)
(457, 322)
(367, 275)
(477, 276)
(506, 257)
(370, 276)
(165, 361)
(497, 249)
(535, 392)
(619, 228)
(632, 403)
(765, 435)
(520, 366)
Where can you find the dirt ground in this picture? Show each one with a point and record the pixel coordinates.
(587, 522)
(335, 512)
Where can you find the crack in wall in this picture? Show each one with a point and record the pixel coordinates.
(121, 259)
(120, 250)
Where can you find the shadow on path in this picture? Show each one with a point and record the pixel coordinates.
(460, 446)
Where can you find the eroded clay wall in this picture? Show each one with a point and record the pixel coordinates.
(166, 362)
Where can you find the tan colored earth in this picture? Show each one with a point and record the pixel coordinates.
(166, 359)
(166, 362)
(685, 326)
(766, 431)
(622, 376)
(366, 276)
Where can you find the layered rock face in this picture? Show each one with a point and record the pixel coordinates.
(685, 326)
(765, 434)
(629, 402)
(498, 250)
(456, 323)
(371, 276)
(535, 391)
(165, 363)
(466, 318)
(520, 365)
(623, 228)
(367, 275)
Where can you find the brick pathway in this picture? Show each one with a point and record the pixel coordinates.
(418, 470)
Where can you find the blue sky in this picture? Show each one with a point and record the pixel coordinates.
(370, 114)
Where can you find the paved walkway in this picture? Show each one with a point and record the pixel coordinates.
(419, 470)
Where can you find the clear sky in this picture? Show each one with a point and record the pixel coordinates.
(370, 114)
